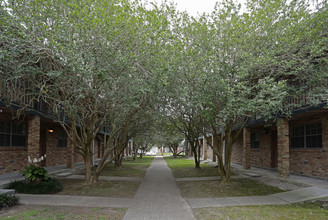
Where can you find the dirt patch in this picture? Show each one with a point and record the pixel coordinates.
(124, 189)
(61, 212)
(238, 187)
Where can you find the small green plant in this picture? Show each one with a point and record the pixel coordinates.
(7, 201)
(35, 174)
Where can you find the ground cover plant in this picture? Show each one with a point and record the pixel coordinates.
(101, 188)
(8, 200)
(51, 185)
(184, 167)
(238, 187)
(61, 212)
(129, 168)
(309, 210)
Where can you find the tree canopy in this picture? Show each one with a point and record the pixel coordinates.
(118, 63)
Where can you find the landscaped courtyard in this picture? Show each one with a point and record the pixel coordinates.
(192, 185)
(137, 109)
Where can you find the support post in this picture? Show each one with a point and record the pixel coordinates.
(33, 138)
(283, 147)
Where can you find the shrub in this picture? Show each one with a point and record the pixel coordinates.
(49, 186)
(8, 200)
(33, 173)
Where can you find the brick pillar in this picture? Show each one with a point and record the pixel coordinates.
(33, 138)
(283, 147)
(246, 148)
(130, 148)
(205, 148)
(70, 154)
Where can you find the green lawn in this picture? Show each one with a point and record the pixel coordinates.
(238, 187)
(184, 167)
(129, 168)
(310, 211)
(61, 212)
(102, 188)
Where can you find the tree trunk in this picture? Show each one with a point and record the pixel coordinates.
(174, 151)
(135, 150)
(118, 159)
(88, 165)
(197, 162)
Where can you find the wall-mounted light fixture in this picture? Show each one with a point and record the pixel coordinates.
(50, 130)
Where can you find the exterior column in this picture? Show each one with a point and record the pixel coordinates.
(283, 147)
(205, 148)
(200, 142)
(246, 148)
(33, 138)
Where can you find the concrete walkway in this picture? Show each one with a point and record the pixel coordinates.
(296, 179)
(158, 196)
(295, 196)
(81, 201)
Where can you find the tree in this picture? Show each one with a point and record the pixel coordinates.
(235, 49)
(168, 135)
(103, 79)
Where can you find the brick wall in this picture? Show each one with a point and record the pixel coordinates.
(55, 155)
(261, 157)
(12, 158)
(237, 150)
(311, 162)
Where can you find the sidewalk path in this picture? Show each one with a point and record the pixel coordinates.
(295, 196)
(81, 201)
(158, 196)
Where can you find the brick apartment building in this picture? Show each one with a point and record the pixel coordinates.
(297, 145)
(34, 136)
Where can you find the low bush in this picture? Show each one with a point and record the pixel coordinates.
(49, 186)
(7, 201)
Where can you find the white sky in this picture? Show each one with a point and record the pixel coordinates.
(193, 7)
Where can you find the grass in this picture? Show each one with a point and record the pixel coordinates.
(129, 168)
(62, 212)
(184, 167)
(309, 210)
(102, 188)
(238, 187)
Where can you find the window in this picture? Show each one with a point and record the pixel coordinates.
(62, 139)
(306, 136)
(13, 134)
(255, 143)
